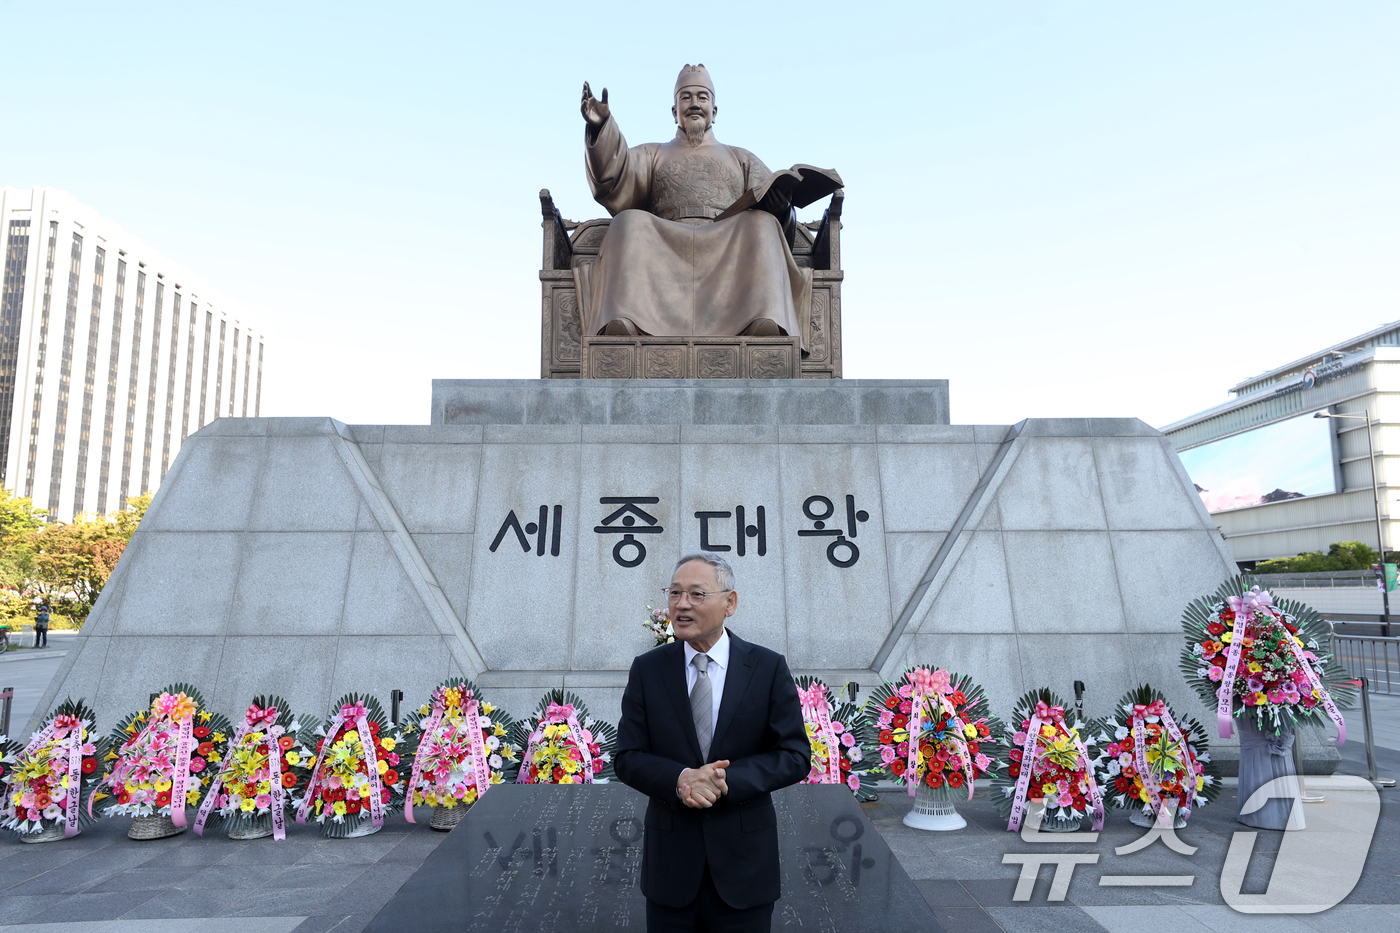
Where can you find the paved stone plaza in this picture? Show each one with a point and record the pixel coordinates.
(102, 882)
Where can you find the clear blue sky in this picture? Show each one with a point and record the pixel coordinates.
(1064, 208)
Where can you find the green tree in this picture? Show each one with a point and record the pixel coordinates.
(18, 520)
(1343, 555)
(69, 564)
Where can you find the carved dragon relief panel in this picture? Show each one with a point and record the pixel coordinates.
(818, 325)
(770, 364)
(566, 323)
(717, 363)
(612, 362)
(665, 363)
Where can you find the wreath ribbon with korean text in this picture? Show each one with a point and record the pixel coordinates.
(254, 719)
(557, 714)
(1150, 783)
(817, 709)
(480, 766)
(69, 729)
(1045, 714)
(355, 713)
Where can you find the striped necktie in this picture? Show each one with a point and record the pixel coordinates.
(702, 704)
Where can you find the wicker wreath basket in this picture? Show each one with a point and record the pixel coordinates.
(444, 818)
(153, 827)
(254, 827)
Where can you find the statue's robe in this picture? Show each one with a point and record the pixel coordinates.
(665, 263)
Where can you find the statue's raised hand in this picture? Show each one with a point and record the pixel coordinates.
(595, 111)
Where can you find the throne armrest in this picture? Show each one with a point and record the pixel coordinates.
(557, 252)
(826, 250)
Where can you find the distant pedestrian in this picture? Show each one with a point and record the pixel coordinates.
(41, 627)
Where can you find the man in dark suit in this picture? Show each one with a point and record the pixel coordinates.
(711, 726)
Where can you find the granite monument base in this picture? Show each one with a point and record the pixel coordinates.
(519, 539)
(553, 859)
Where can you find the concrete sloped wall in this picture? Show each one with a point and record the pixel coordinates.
(1074, 563)
(269, 562)
(308, 558)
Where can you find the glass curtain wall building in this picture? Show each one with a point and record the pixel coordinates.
(96, 388)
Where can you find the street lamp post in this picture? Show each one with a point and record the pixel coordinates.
(1376, 500)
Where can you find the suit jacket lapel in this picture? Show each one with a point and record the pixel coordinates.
(736, 681)
(673, 673)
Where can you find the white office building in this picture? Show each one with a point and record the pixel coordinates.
(1278, 479)
(110, 356)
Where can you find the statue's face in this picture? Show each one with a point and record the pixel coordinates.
(694, 107)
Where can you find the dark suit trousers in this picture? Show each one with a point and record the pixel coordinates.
(708, 913)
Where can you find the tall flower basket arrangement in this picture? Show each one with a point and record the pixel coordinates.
(268, 761)
(46, 781)
(463, 748)
(163, 760)
(931, 726)
(839, 736)
(355, 782)
(1155, 761)
(1251, 656)
(564, 744)
(1049, 762)
(1265, 665)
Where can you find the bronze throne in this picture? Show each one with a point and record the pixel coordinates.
(566, 353)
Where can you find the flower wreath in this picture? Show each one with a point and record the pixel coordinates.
(38, 778)
(253, 789)
(1047, 760)
(929, 728)
(354, 777)
(563, 744)
(837, 728)
(163, 758)
(1152, 757)
(464, 748)
(1247, 654)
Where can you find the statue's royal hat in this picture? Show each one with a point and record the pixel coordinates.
(694, 76)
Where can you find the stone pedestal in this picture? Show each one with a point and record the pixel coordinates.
(519, 539)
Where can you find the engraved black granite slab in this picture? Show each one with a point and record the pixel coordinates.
(553, 859)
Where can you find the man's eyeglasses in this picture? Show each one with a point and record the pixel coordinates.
(697, 597)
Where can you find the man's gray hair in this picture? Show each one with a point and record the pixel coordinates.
(724, 573)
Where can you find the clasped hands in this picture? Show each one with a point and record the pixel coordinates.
(701, 787)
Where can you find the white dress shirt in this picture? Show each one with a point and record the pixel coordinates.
(719, 664)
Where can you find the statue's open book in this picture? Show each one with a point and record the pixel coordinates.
(803, 184)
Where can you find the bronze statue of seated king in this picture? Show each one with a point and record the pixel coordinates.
(703, 240)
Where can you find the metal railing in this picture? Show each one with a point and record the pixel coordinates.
(1327, 579)
(1375, 658)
